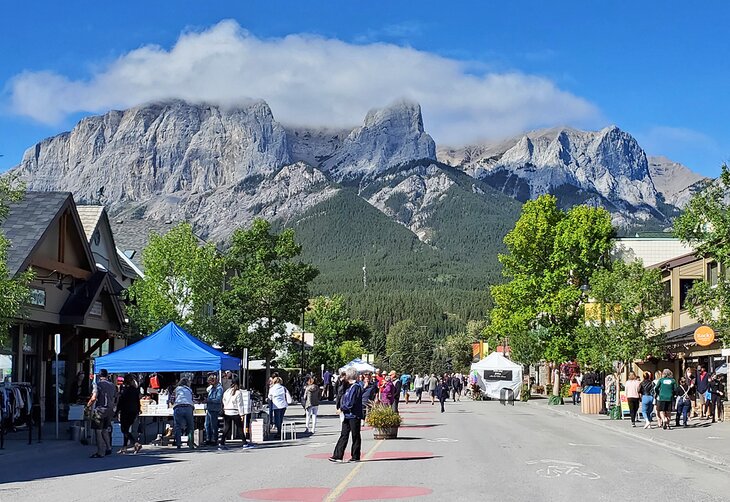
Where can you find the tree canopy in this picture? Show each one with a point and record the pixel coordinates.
(551, 254)
(14, 291)
(183, 281)
(337, 338)
(267, 288)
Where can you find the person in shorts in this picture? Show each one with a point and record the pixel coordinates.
(102, 400)
(666, 389)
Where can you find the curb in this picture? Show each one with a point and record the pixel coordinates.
(717, 461)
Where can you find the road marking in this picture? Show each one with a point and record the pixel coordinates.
(442, 440)
(339, 489)
(581, 444)
(123, 479)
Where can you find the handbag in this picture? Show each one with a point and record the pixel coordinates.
(708, 395)
(289, 400)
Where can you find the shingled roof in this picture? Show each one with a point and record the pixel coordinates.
(26, 223)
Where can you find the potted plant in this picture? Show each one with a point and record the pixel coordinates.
(384, 420)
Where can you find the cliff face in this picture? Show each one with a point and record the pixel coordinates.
(608, 162)
(156, 149)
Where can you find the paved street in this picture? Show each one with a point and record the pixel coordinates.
(474, 451)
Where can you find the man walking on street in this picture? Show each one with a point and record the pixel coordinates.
(351, 408)
(102, 398)
(213, 406)
(398, 383)
(327, 381)
(432, 383)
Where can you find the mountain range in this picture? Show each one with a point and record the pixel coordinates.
(420, 218)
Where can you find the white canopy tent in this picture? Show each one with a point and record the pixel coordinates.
(495, 372)
(360, 365)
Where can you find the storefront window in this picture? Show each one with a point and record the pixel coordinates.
(684, 286)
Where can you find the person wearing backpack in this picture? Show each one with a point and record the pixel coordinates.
(102, 400)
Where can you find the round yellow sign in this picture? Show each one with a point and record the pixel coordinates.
(704, 336)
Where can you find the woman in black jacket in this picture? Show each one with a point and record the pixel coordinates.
(717, 392)
(128, 408)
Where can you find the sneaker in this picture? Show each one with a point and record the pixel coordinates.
(335, 460)
(354, 460)
(222, 447)
(248, 446)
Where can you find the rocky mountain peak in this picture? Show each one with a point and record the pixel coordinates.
(389, 137)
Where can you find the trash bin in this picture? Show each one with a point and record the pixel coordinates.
(591, 401)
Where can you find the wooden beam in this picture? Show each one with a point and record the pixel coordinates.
(95, 346)
(64, 268)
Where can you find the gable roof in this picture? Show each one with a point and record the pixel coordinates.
(28, 221)
(91, 217)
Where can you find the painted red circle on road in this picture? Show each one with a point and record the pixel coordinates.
(382, 493)
(288, 494)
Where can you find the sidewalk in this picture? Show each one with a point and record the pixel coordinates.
(702, 440)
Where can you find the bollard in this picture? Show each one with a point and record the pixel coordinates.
(506, 394)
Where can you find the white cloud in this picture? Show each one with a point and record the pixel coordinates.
(309, 80)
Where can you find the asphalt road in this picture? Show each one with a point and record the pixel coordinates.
(475, 451)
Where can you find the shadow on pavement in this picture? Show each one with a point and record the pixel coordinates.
(33, 469)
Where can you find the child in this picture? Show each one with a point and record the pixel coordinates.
(574, 386)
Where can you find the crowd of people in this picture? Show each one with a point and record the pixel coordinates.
(697, 394)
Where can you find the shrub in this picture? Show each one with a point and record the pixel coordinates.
(381, 416)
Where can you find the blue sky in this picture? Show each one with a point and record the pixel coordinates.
(479, 69)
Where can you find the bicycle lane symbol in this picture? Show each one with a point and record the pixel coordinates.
(556, 468)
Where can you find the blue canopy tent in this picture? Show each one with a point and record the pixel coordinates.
(169, 349)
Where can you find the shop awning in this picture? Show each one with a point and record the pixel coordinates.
(681, 336)
(169, 349)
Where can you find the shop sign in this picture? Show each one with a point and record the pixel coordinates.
(704, 336)
(497, 375)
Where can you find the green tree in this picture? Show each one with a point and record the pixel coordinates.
(705, 225)
(329, 319)
(268, 288)
(14, 291)
(619, 328)
(183, 281)
(551, 254)
(459, 348)
(409, 347)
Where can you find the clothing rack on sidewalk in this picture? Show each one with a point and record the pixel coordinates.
(17, 405)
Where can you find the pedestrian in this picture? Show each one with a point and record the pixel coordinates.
(369, 391)
(387, 392)
(456, 387)
(432, 384)
(351, 406)
(443, 389)
(689, 376)
(227, 380)
(647, 398)
(101, 404)
(574, 386)
(279, 398)
(311, 405)
(398, 385)
(684, 402)
(213, 406)
(703, 385)
(405, 381)
(418, 387)
(717, 393)
(234, 412)
(426, 381)
(665, 389)
(182, 413)
(633, 396)
(327, 382)
(128, 408)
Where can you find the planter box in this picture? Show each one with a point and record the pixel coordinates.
(390, 433)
